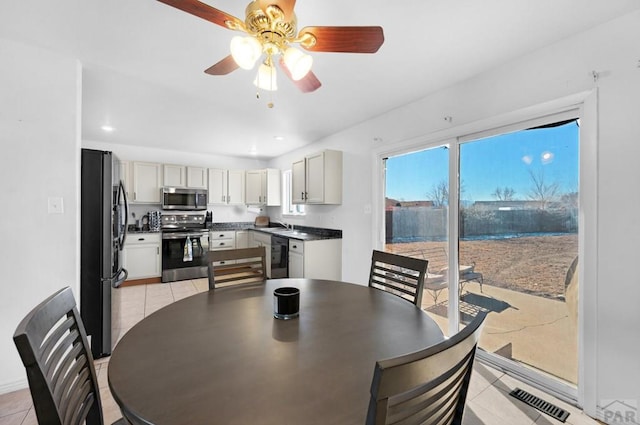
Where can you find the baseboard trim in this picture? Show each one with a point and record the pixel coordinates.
(146, 281)
(13, 386)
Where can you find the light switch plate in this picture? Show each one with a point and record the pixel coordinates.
(55, 205)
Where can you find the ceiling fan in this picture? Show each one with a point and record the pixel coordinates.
(271, 28)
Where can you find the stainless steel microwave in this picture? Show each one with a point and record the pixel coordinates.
(176, 198)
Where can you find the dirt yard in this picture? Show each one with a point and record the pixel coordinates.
(535, 265)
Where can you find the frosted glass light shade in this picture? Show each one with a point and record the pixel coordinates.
(298, 63)
(245, 51)
(266, 78)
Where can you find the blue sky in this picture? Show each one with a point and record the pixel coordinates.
(486, 164)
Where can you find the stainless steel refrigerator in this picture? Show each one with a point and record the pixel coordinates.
(103, 230)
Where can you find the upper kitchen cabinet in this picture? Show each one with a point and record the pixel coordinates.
(226, 187)
(147, 180)
(317, 179)
(197, 177)
(183, 176)
(174, 175)
(263, 187)
(125, 178)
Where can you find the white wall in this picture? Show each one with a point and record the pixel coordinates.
(39, 137)
(537, 82)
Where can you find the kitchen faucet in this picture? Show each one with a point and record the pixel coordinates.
(286, 225)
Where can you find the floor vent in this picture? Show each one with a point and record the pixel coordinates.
(540, 404)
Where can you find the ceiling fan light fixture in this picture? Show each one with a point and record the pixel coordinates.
(245, 51)
(266, 78)
(298, 63)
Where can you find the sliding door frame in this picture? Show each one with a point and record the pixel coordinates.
(584, 106)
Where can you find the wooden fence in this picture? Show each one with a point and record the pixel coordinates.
(427, 223)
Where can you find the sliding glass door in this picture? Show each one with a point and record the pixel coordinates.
(416, 219)
(515, 239)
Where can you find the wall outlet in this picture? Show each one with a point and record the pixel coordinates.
(55, 205)
(367, 208)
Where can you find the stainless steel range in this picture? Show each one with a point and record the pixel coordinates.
(185, 243)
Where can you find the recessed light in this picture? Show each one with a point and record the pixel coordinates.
(278, 138)
(108, 128)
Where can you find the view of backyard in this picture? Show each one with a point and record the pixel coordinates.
(524, 287)
(517, 227)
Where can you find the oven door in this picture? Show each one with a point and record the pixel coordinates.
(178, 261)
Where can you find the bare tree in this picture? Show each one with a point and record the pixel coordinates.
(440, 194)
(541, 191)
(570, 199)
(504, 193)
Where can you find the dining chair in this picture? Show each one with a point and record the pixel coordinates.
(53, 346)
(236, 266)
(398, 274)
(428, 386)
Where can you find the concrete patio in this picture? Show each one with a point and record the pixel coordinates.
(533, 330)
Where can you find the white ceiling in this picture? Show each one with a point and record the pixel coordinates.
(144, 62)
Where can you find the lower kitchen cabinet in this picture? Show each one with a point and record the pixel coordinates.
(142, 255)
(222, 240)
(317, 259)
(262, 239)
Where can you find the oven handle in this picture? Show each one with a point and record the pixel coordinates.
(183, 235)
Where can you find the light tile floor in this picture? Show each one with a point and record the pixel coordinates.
(488, 400)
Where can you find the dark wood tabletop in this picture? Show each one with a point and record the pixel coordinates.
(220, 357)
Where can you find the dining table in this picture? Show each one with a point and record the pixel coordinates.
(220, 357)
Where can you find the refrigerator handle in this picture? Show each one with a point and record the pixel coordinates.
(119, 277)
(123, 193)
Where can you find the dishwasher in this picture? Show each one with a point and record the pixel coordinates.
(279, 257)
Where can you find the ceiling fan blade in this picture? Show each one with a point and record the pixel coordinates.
(224, 67)
(306, 84)
(204, 11)
(285, 5)
(344, 39)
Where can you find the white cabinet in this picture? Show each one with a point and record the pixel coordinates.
(141, 255)
(263, 187)
(183, 176)
(317, 179)
(125, 177)
(226, 187)
(197, 177)
(222, 240)
(296, 258)
(262, 239)
(174, 175)
(316, 259)
(147, 180)
(242, 239)
(298, 181)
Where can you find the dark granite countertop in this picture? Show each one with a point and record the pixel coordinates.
(303, 233)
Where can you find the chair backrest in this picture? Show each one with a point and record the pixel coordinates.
(235, 266)
(398, 274)
(53, 346)
(428, 386)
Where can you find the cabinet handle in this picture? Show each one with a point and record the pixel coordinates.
(221, 236)
(140, 239)
(222, 198)
(302, 195)
(228, 198)
(135, 196)
(158, 250)
(295, 246)
(222, 243)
